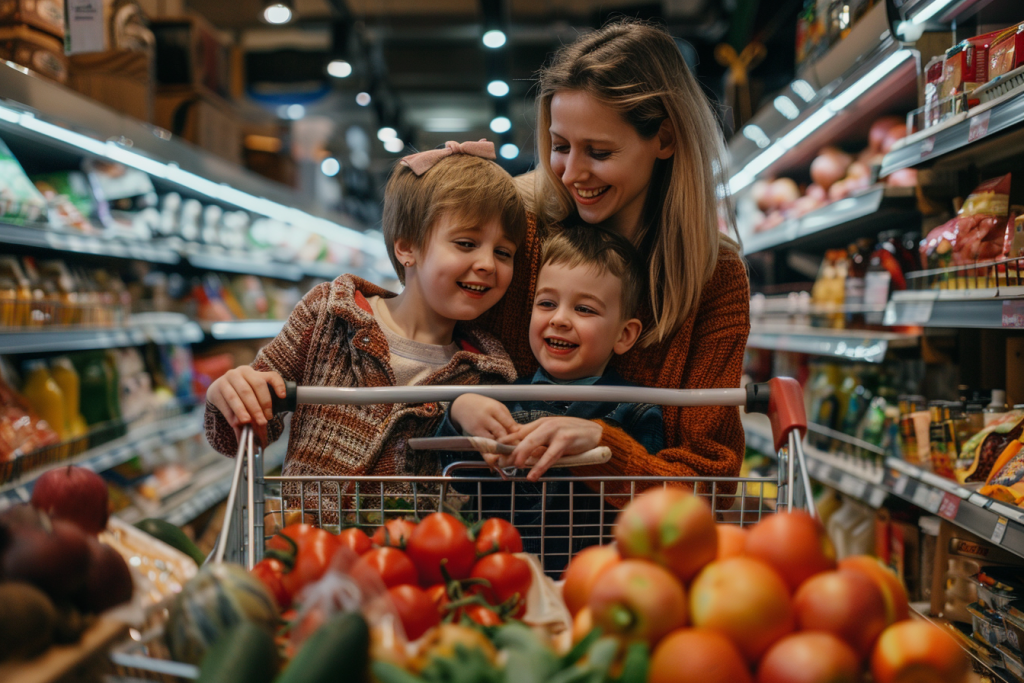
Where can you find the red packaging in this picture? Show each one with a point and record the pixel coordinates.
(966, 64)
(978, 233)
(1007, 52)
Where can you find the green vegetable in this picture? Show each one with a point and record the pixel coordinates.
(386, 672)
(634, 669)
(245, 654)
(529, 659)
(338, 650)
(172, 536)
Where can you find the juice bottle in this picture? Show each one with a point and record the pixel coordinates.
(45, 397)
(940, 433)
(93, 388)
(64, 374)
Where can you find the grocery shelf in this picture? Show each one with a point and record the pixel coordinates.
(43, 237)
(860, 345)
(970, 308)
(919, 610)
(59, 339)
(981, 123)
(248, 265)
(868, 213)
(244, 329)
(140, 439)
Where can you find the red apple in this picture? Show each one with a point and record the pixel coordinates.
(732, 539)
(583, 572)
(108, 581)
(671, 527)
(638, 600)
(846, 604)
(809, 657)
(794, 544)
(918, 652)
(73, 493)
(696, 655)
(744, 600)
(897, 606)
(51, 554)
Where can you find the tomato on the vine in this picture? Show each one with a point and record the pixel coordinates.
(270, 571)
(312, 550)
(507, 575)
(482, 615)
(395, 533)
(415, 608)
(391, 564)
(355, 540)
(441, 537)
(498, 536)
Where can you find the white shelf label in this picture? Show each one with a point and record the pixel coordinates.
(979, 126)
(901, 485)
(1000, 530)
(852, 485)
(877, 498)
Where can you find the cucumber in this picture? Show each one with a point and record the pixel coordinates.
(245, 654)
(172, 536)
(338, 650)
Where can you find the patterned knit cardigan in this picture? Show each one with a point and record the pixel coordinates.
(332, 339)
(705, 352)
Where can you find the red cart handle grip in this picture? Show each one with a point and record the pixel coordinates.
(782, 399)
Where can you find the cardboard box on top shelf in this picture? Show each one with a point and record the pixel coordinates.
(192, 52)
(37, 51)
(120, 79)
(42, 15)
(202, 118)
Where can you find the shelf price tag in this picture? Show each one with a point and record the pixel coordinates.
(84, 25)
(949, 506)
(901, 485)
(852, 485)
(1000, 530)
(1013, 313)
(934, 501)
(927, 146)
(979, 126)
(877, 497)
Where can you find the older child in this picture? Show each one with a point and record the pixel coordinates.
(452, 223)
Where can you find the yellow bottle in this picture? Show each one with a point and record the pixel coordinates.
(63, 373)
(46, 399)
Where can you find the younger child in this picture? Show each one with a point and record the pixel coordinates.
(452, 223)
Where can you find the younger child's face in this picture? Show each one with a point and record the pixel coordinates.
(464, 268)
(577, 322)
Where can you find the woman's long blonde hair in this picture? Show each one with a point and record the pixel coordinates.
(637, 69)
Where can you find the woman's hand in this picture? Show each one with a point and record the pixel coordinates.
(242, 395)
(483, 416)
(548, 439)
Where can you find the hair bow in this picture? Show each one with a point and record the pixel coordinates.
(421, 162)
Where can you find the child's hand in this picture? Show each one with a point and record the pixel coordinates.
(548, 439)
(242, 396)
(482, 416)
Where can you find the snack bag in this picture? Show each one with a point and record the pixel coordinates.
(1006, 481)
(981, 451)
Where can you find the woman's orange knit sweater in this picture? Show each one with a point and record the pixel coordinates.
(705, 352)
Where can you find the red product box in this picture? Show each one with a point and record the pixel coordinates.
(966, 64)
(1007, 51)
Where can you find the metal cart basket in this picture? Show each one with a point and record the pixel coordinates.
(557, 516)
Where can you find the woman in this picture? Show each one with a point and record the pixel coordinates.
(628, 143)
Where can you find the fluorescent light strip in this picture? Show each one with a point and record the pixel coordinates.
(173, 173)
(930, 11)
(755, 166)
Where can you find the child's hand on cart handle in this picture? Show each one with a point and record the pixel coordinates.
(242, 395)
(550, 438)
(481, 416)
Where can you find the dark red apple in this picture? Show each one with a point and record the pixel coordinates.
(75, 494)
(51, 554)
(108, 581)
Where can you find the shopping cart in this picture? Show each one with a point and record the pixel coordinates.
(558, 515)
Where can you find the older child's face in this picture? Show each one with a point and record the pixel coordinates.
(577, 321)
(464, 268)
(602, 160)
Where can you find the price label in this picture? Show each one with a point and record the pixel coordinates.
(979, 126)
(877, 498)
(949, 506)
(934, 501)
(825, 472)
(852, 485)
(901, 485)
(1013, 313)
(1000, 530)
(927, 146)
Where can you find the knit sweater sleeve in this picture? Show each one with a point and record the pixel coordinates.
(704, 441)
(285, 355)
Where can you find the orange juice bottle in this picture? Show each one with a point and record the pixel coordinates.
(63, 373)
(46, 399)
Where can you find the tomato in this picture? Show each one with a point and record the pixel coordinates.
(484, 616)
(355, 540)
(508, 576)
(270, 571)
(441, 537)
(312, 550)
(395, 533)
(497, 535)
(415, 608)
(391, 564)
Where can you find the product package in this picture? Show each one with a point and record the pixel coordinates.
(966, 64)
(34, 50)
(45, 15)
(125, 197)
(1007, 51)
(19, 198)
(981, 451)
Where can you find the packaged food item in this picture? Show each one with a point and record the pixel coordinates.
(66, 377)
(933, 75)
(1007, 51)
(996, 407)
(988, 625)
(34, 50)
(45, 15)
(940, 435)
(966, 64)
(979, 453)
(69, 198)
(19, 198)
(998, 587)
(854, 285)
(1005, 480)
(45, 396)
(21, 429)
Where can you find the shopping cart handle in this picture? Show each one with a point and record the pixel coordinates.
(782, 400)
(287, 404)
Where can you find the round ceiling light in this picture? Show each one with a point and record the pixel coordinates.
(494, 38)
(277, 13)
(501, 124)
(339, 68)
(497, 88)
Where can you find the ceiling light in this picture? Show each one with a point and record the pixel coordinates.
(339, 68)
(756, 135)
(446, 124)
(363, 99)
(501, 124)
(497, 88)
(803, 89)
(786, 107)
(291, 111)
(930, 11)
(394, 145)
(494, 38)
(509, 151)
(330, 167)
(386, 133)
(277, 13)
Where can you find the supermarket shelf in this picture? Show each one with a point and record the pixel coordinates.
(249, 265)
(244, 329)
(979, 125)
(919, 610)
(970, 308)
(41, 236)
(860, 345)
(871, 212)
(139, 440)
(48, 340)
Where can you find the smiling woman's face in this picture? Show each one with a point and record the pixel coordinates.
(602, 161)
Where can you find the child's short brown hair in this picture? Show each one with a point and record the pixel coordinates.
(606, 252)
(473, 187)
